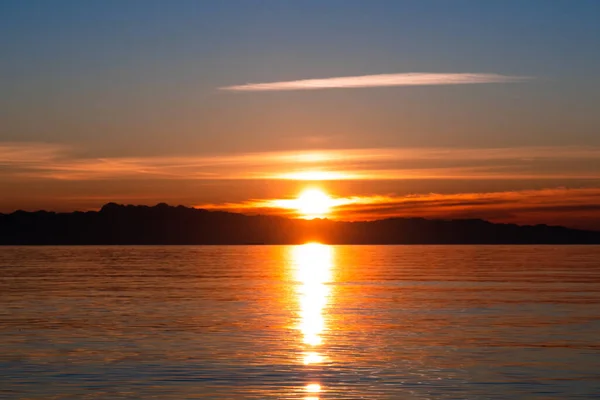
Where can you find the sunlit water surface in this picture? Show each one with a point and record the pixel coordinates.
(300, 322)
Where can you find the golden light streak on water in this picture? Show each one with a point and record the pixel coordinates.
(312, 265)
(312, 358)
(313, 388)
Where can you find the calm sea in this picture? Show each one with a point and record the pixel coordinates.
(300, 322)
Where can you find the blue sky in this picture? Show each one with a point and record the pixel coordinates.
(132, 79)
(122, 59)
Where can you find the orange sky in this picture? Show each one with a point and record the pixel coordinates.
(555, 185)
(393, 108)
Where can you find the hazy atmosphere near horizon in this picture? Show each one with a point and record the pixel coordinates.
(463, 109)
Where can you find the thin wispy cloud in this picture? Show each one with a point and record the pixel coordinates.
(41, 161)
(28, 153)
(381, 80)
(573, 207)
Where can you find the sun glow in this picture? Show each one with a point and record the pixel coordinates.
(316, 176)
(313, 203)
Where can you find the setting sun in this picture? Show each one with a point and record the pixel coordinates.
(313, 203)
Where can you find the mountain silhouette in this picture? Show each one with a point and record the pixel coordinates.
(162, 224)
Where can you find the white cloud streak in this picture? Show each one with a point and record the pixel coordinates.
(382, 80)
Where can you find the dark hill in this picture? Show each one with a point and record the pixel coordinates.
(163, 224)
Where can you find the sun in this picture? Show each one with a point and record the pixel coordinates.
(313, 203)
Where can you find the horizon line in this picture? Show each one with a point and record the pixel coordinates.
(216, 210)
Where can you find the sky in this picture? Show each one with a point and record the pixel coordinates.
(462, 109)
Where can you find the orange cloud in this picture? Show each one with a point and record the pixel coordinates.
(28, 153)
(574, 207)
(47, 161)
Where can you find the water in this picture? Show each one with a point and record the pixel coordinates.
(300, 322)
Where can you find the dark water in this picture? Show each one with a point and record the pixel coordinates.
(300, 322)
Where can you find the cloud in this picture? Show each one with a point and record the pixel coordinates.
(578, 207)
(29, 153)
(382, 80)
(41, 161)
(573, 207)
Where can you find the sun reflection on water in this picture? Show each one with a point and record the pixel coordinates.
(312, 268)
(312, 358)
